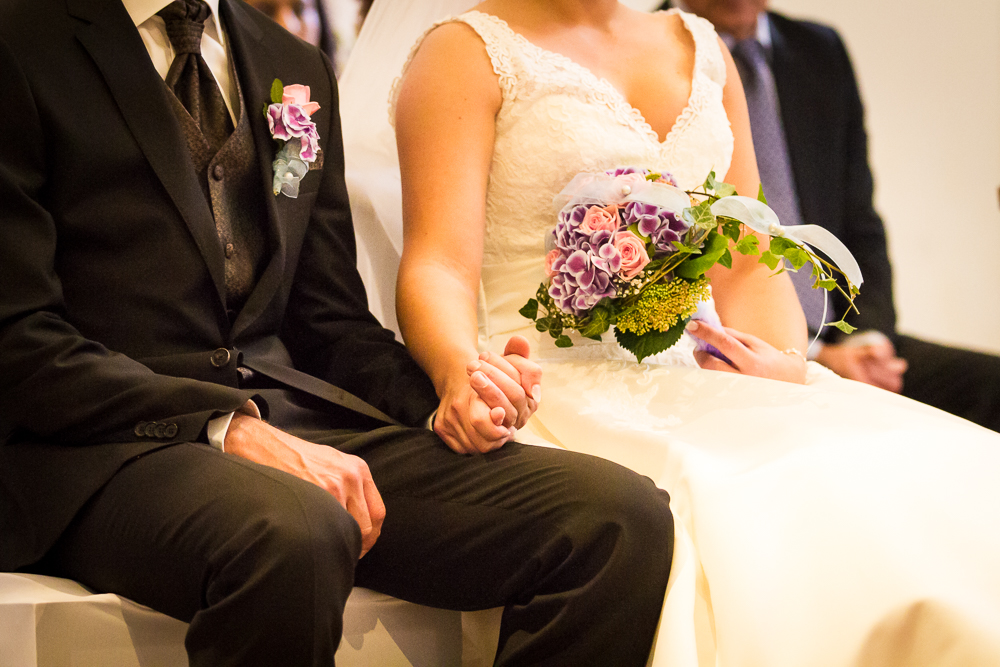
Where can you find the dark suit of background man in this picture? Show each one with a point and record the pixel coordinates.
(122, 336)
(823, 121)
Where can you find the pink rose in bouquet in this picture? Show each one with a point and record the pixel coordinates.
(633, 254)
(597, 218)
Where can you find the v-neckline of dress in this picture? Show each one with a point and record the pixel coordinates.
(619, 98)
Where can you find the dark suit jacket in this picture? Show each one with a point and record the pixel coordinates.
(824, 124)
(111, 271)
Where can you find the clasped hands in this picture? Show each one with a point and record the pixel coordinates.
(482, 412)
(502, 393)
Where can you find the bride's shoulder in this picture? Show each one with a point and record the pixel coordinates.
(461, 34)
(448, 57)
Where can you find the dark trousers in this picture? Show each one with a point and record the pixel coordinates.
(959, 381)
(260, 563)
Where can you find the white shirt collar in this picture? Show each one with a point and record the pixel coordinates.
(141, 10)
(763, 33)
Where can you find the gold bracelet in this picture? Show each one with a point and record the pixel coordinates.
(794, 351)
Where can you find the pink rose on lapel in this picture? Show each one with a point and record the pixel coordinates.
(299, 94)
(288, 118)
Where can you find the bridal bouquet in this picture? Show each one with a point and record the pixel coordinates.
(630, 250)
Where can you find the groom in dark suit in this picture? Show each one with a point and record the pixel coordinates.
(827, 150)
(156, 298)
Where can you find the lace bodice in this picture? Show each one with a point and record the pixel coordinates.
(557, 118)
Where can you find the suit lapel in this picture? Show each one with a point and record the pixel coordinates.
(795, 114)
(114, 44)
(254, 61)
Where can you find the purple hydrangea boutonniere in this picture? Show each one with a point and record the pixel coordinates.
(288, 117)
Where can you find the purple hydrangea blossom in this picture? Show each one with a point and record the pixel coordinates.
(659, 224)
(583, 274)
(665, 176)
(289, 120)
(621, 171)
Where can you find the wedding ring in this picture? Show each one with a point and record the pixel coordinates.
(794, 351)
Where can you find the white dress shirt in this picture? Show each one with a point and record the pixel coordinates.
(153, 31)
(214, 50)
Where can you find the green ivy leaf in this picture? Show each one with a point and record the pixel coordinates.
(843, 326)
(724, 189)
(748, 245)
(715, 246)
(797, 256)
(650, 343)
(564, 341)
(277, 88)
(530, 309)
(769, 258)
(702, 216)
(828, 284)
(710, 181)
(727, 259)
(731, 228)
(686, 249)
(599, 322)
(760, 194)
(780, 244)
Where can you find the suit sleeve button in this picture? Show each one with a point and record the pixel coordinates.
(150, 430)
(220, 357)
(170, 431)
(140, 429)
(161, 430)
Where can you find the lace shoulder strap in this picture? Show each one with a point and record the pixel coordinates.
(499, 41)
(708, 58)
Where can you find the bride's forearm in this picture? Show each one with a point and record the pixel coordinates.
(436, 311)
(749, 297)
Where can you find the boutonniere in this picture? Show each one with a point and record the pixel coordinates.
(288, 117)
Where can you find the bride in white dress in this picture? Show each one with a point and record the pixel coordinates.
(824, 523)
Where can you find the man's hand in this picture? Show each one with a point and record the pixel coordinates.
(344, 476)
(482, 412)
(874, 363)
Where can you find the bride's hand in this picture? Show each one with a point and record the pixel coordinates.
(749, 355)
(515, 376)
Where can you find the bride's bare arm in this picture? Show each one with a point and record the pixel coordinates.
(748, 297)
(445, 115)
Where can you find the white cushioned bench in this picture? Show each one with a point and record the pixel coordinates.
(52, 622)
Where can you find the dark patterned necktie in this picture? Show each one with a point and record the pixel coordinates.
(189, 76)
(772, 159)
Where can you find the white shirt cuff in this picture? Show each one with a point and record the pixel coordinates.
(219, 427)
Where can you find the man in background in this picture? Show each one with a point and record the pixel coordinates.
(808, 129)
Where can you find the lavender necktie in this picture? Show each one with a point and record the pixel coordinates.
(772, 160)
